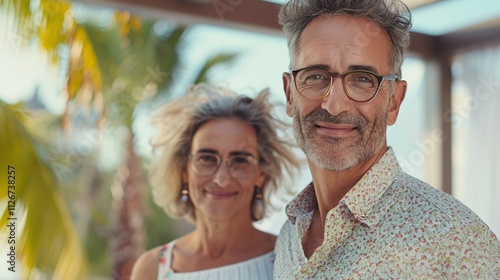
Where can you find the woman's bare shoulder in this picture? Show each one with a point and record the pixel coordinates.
(146, 266)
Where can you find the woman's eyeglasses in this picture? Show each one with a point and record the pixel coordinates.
(240, 166)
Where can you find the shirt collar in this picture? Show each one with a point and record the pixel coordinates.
(302, 204)
(361, 199)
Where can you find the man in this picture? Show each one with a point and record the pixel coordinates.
(362, 216)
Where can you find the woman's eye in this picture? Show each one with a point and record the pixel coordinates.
(207, 159)
(239, 160)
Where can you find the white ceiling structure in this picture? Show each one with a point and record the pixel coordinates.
(443, 17)
(438, 25)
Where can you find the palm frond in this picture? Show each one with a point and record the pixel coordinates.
(84, 72)
(215, 60)
(52, 30)
(47, 240)
(169, 48)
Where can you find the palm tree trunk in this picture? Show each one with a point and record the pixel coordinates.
(129, 208)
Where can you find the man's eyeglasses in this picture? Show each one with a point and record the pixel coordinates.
(240, 166)
(359, 85)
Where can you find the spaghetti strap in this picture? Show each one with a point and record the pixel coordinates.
(165, 260)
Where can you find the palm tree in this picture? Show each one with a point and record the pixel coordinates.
(110, 70)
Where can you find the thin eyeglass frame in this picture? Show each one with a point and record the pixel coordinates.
(220, 160)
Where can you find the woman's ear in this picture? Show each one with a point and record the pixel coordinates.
(261, 180)
(184, 177)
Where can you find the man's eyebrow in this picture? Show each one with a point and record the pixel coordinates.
(351, 67)
(320, 66)
(363, 67)
(316, 66)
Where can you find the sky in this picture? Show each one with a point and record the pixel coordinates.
(23, 68)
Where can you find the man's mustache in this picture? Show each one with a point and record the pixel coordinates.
(321, 115)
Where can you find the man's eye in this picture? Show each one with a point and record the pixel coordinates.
(316, 77)
(313, 77)
(363, 79)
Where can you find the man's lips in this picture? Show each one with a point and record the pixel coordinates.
(335, 130)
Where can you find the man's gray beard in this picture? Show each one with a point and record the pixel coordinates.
(337, 159)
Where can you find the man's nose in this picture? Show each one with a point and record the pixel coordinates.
(336, 101)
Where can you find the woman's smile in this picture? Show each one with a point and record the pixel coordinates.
(219, 194)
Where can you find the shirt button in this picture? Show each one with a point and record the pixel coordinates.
(362, 217)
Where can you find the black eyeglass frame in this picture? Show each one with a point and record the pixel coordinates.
(380, 79)
(220, 161)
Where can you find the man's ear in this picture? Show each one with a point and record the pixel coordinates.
(395, 103)
(287, 81)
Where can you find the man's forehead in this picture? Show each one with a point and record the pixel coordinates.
(343, 40)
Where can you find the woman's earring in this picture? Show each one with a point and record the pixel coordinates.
(258, 207)
(184, 193)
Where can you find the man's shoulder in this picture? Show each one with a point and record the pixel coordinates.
(429, 220)
(424, 200)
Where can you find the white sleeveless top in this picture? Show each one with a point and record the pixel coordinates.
(258, 268)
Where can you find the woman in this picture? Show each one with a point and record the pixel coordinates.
(221, 160)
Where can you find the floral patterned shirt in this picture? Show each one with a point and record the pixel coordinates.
(389, 226)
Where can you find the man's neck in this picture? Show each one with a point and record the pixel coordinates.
(331, 186)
